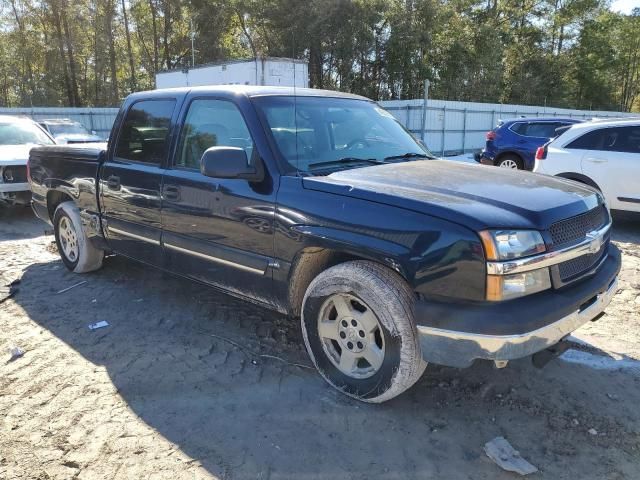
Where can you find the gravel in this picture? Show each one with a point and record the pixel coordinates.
(164, 392)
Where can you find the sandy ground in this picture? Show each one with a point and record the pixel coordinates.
(160, 394)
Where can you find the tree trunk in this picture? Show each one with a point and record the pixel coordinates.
(154, 23)
(25, 61)
(63, 58)
(132, 71)
(315, 65)
(108, 21)
(72, 60)
(166, 33)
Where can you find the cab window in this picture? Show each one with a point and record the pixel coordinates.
(145, 132)
(211, 123)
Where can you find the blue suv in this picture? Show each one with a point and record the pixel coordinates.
(513, 143)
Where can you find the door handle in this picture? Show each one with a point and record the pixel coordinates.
(113, 183)
(171, 193)
(596, 160)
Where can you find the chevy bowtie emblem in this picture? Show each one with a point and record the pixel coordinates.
(595, 241)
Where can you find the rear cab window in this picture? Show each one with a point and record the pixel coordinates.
(144, 136)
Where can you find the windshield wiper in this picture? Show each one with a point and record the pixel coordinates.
(345, 160)
(408, 155)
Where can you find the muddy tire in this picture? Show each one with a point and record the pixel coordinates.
(76, 250)
(510, 161)
(359, 329)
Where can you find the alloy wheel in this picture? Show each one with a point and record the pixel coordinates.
(351, 336)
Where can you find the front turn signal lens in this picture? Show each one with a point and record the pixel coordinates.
(507, 287)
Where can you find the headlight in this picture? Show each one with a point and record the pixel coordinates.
(506, 287)
(505, 245)
(510, 244)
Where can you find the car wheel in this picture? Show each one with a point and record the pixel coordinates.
(359, 329)
(76, 250)
(510, 161)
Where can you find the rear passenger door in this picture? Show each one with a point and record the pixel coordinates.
(219, 231)
(612, 160)
(131, 179)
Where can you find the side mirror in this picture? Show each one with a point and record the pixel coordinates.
(229, 162)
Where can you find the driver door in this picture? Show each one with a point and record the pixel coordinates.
(219, 231)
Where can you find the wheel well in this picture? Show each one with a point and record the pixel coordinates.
(507, 154)
(55, 198)
(578, 177)
(309, 263)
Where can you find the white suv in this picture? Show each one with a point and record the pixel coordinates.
(603, 154)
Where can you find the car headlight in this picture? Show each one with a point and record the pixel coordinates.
(506, 287)
(510, 244)
(505, 245)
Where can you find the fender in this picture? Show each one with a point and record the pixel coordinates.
(62, 186)
(364, 246)
(579, 177)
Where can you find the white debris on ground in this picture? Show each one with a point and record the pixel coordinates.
(500, 451)
(15, 352)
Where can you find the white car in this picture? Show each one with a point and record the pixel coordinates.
(66, 131)
(602, 154)
(17, 136)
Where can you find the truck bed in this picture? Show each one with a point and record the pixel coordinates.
(70, 170)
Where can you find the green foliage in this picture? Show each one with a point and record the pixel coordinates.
(573, 53)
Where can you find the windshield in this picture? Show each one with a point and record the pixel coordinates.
(67, 129)
(22, 133)
(336, 133)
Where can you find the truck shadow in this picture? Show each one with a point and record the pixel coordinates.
(242, 415)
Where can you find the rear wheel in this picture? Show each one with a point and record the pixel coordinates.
(76, 250)
(359, 330)
(510, 161)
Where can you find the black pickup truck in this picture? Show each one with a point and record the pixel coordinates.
(320, 205)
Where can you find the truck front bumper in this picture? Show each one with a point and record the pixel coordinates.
(458, 335)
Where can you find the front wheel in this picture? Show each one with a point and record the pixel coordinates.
(359, 329)
(76, 250)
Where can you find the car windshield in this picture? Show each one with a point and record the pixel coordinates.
(67, 129)
(22, 133)
(316, 135)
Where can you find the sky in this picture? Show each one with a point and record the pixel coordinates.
(624, 6)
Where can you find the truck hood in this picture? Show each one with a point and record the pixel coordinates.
(14, 154)
(471, 195)
(77, 138)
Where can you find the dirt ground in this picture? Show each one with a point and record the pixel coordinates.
(160, 394)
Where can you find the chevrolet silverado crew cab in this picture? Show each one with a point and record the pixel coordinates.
(320, 205)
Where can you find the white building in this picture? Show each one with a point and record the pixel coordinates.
(285, 72)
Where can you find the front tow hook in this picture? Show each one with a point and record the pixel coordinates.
(543, 357)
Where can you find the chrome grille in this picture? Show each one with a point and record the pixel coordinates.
(14, 174)
(574, 230)
(579, 266)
